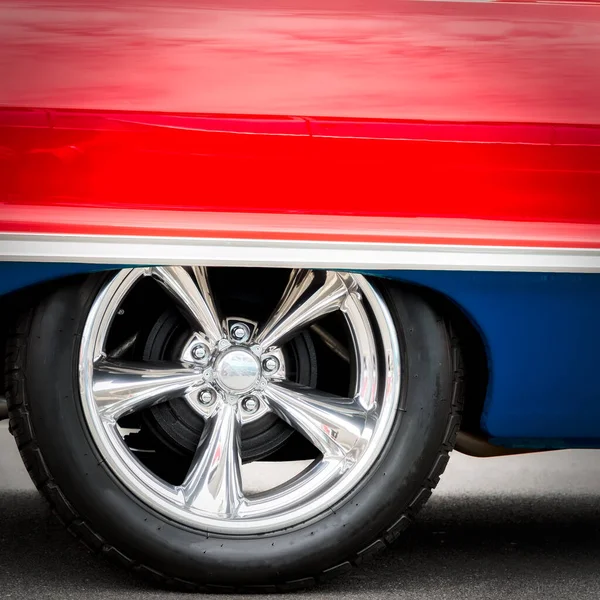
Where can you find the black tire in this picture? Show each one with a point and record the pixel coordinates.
(47, 422)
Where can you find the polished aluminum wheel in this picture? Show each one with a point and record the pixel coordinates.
(231, 372)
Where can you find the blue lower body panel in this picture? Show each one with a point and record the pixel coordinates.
(541, 333)
(17, 275)
(542, 336)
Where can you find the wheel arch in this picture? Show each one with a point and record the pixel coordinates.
(475, 354)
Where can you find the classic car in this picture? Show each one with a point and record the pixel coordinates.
(264, 265)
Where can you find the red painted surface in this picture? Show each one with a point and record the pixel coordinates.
(386, 230)
(385, 59)
(537, 173)
(473, 118)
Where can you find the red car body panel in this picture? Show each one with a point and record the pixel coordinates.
(451, 111)
(505, 173)
(384, 59)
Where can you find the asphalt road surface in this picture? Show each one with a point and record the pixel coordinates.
(502, 528)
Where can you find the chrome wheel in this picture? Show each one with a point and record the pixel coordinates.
(232, 372)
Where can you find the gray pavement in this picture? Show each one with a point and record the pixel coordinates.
(515, 527)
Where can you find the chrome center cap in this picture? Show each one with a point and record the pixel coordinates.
(237, 371)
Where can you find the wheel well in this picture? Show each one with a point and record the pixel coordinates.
(474, 355)
(471, 439)
(475, 361)
(11, 305)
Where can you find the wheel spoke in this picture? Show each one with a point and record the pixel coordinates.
(308, 296)
(214, 480)
(193, 298)
(121, 388)
(333, 424)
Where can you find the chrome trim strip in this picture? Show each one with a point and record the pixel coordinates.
(137, 250)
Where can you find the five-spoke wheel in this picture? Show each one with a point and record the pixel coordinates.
(231, 370)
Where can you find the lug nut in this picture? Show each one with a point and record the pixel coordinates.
(271, 365)
(240, 332)
(250, 404)
(206, 397)
(199, 352)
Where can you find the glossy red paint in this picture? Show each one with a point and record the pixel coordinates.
(465, 112)
(509, 173)
(383, 230)
(384, 59)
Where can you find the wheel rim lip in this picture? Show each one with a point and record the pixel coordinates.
(168, 500)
